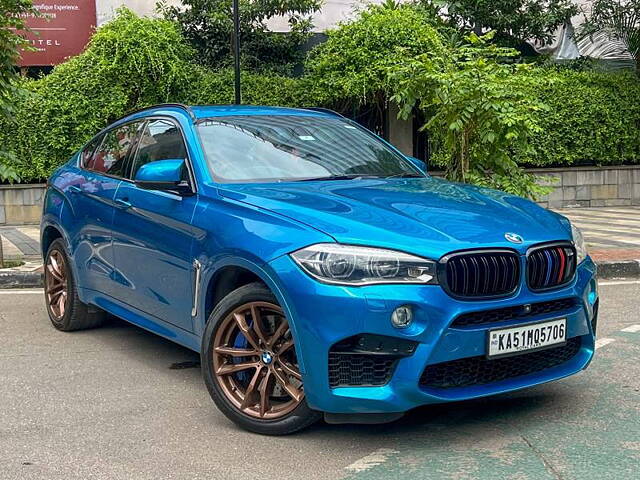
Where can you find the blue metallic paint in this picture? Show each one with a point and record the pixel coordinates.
(134, 259)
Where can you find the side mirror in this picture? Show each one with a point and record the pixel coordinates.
(419, 164)
(162, 175)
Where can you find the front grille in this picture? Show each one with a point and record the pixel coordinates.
(521, 312)
(466, 372)
(353, 370)
(486, 273)
(550, 266)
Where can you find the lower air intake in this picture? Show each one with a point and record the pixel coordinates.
(467, 372)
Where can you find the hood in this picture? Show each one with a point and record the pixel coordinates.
(424, 216)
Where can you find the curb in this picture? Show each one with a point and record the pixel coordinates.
(35, 279)
(619, 269)
(11, 279)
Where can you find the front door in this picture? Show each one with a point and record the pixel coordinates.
(90, 189)
(152, 235)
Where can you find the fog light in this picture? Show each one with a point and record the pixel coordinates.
(402, 317)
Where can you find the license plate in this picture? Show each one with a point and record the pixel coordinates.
(534, 336)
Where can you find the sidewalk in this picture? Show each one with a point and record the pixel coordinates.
(612, 235)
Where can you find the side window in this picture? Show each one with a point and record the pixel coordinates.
(161, 140)
(110, 156)
(87, 154)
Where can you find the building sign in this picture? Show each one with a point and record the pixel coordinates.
(62, 31)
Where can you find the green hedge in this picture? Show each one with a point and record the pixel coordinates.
(132, 62)
(593, 118)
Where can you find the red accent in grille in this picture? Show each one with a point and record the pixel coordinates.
(562, 264)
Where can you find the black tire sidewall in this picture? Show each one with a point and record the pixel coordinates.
(298, 419)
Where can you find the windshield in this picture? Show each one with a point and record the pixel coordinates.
(271, 148)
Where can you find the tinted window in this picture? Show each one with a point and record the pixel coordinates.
(89, 150)
(110, 156)
(161, 140)
(285, 147)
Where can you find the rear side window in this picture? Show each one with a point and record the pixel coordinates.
(161, 140)
(89, 150)
(111, 155)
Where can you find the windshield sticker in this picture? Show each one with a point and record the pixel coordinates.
(306, 137)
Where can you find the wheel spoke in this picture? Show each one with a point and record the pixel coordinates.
(250, 393)
(229, 368)
(257, 324)
(286, 346)
(61, 300)
(246, 330)
(289, 370)
(56, 275)
(280, 331)
(292, 391)
(55, 296)
(236, 352)
(265, 392)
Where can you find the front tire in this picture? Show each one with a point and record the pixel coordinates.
(250, 366)
(66, 311)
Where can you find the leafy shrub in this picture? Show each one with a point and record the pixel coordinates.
(477, 106)
(354, 61)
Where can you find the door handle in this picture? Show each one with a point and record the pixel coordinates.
(123, 202)
(74, 189)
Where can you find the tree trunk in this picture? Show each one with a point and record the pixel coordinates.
(1, 253)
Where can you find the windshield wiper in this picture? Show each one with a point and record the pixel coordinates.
(352, 176)
(406, 175)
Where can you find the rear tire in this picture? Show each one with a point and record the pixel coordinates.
(66, 311)
(267, 396)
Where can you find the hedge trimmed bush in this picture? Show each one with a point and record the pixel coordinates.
(130, 63)
(593, 118)
(133, 62)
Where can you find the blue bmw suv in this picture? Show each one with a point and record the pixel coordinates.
(316, 269)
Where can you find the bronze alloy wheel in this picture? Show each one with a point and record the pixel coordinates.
(56, 285)
(254, 361)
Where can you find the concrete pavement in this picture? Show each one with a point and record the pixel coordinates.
(111, 403)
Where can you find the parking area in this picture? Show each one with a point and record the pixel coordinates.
(120, 403)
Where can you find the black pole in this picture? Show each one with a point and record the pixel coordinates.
(236, 49)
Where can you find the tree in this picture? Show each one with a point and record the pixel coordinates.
(619, 20)
(351, 68)
(208, 26)
(12, 20)
(514, 21)
(478, 107)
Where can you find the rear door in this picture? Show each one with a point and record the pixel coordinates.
(90, 189)
(152, 233)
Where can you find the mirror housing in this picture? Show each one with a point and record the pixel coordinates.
(163, 175)
(419, 164)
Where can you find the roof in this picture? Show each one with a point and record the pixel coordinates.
(197, 112)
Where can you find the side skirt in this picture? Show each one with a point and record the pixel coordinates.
(142, 319)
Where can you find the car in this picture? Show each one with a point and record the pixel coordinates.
(317, 270)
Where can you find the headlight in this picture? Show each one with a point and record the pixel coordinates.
(578, 241)
(352, 265)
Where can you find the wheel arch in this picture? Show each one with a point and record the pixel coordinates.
(231, 273)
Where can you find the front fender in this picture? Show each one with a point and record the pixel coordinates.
(261, 270)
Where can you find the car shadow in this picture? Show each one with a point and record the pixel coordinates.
(157, 353)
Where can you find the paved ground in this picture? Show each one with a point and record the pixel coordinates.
(106, 404)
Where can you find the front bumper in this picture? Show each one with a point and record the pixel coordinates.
(322, 315)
